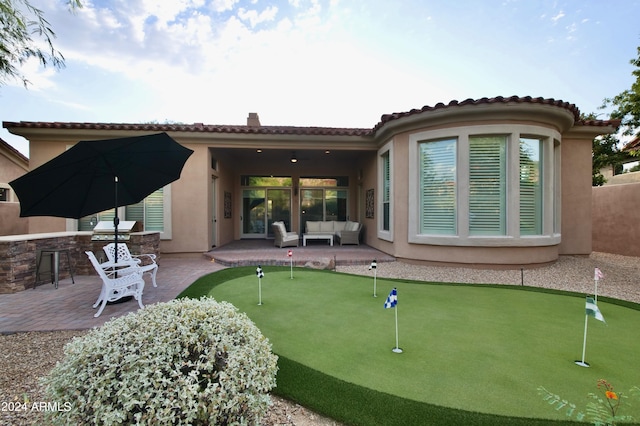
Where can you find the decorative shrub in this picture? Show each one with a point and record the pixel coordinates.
(187, 361)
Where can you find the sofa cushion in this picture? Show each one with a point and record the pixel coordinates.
(339, 226)
(351, 226)
(326, 226)
(313, 226)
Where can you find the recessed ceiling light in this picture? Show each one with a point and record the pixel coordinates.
(258, 150)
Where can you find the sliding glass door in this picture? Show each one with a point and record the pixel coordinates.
(323, 205)
(262, 207)
(253, 213)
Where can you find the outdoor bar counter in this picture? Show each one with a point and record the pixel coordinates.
(19, 255)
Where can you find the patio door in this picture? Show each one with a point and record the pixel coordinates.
(322, 204)
(261, 207)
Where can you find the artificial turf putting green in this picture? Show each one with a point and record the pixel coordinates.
(477, 348)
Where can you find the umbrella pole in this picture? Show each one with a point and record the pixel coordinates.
(116, 221)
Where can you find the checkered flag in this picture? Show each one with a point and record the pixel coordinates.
(392, 299)
(259, 272)
(373, 265)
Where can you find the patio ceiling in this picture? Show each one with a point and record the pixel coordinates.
(282, 157)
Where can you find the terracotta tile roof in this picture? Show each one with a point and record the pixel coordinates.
(14, 151)
(320, 131)
(196, 127)
(632, 145)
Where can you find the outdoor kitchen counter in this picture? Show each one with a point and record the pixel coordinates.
(18, 254)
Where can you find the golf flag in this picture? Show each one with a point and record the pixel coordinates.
(290, 253)
(260, 275)
(598, 275)
(392, 299)
(593, 311)
(373, 264)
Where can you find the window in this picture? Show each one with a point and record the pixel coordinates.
(324, 181)
(265, 181)
(152, 213)
(438, 187)
(530, 186)
(319, 201)
(4, 194)
(386, 191)
(487, 185)
(484, 185)
(149, 212)
(383, 194)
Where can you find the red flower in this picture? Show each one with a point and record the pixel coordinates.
(611, 395)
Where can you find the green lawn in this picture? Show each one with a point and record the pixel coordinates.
(482, 349)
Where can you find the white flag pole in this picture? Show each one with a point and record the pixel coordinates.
(596, 291)
(375, 273)
(291, 261)
(374, 266)
(584, 343)
(397, 348)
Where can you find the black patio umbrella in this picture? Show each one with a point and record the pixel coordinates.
(94, 176)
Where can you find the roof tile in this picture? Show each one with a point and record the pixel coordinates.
(320, 131)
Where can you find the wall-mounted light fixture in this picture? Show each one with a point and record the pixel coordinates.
(294, 159)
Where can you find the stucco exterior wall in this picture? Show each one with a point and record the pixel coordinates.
(576, 196)
(615, 219)
(11, 167)
(190, 209)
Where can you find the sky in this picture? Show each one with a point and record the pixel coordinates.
(329, 63)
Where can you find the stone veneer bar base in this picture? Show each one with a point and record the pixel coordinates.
(18, 255)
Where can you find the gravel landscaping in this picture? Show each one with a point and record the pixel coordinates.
(26, 357)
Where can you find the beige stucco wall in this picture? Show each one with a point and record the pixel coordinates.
(615, 219)
(11, 167)
(576, 194)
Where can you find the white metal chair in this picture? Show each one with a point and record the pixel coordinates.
(129, 284)
(125, 257)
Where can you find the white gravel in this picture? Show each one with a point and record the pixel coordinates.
(572, 273)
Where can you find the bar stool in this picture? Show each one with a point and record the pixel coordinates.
(54, 255)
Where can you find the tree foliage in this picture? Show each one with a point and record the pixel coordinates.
(23, 25)
(627, 103)
(605, 153)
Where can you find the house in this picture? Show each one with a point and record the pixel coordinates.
(13, 164)
(492, 181)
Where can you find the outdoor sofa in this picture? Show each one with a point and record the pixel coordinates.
(345, 232)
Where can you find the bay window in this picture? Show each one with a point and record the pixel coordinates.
(484, 185)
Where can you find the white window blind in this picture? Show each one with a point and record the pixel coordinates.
(530, 186)
(487, 185)
(438, 187)
(149, 211)
(386, 191)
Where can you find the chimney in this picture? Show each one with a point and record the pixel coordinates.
(253, 120)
